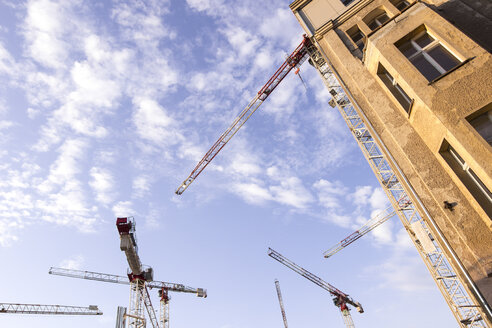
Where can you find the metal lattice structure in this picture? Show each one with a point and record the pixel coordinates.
(105, 277)
(164, 303)
(298, 56)
(464, 308)
(138, 293)
(366, 228)
(49, 309)
(281, 302)
(135, 315)
(340, 298)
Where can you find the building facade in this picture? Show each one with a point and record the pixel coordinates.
(421, 72)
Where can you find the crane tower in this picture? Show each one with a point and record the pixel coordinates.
(340, 299)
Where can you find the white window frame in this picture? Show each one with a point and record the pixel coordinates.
(377, 21)
(427, 48)
(470, 173)
(397, 87)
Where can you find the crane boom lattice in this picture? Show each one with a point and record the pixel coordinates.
(49, 309)
(89, 275)
(298, 56)
(281, 302)
(366, 228)
(465, 309)
(315, 279)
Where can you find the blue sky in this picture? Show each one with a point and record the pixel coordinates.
(105, 108)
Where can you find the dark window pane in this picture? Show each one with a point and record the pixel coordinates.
(395, 89)
(483, 125)
(426, 68)
(424, 39)
(402, 5)
(383, 19)
(407, 49)
(471, 181)
(443, 57)
(373, 25)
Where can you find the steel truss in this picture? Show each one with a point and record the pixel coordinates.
(135, 315)
(464, 308)
(48, 309)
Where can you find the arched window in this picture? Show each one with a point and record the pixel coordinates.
(376, 18)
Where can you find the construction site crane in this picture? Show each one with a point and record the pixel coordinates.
(463, 298)
(456, 288)
(370, 225)
(281, 302)
(140, 279)
(298, 56)
(105, 277)
(138, 275)
(49, 309)
(341, 300)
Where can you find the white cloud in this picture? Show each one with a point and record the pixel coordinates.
(45, 26)
(252, 193)
(73, 263)
(123, 209)
(67, 165)
(141, 185)
(103, 184)
(402, 271)
(292, 192)
(154, 124)
(330, 193)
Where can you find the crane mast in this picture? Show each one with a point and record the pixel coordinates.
(340, 298)
(298, 56)
(49, 309)
(279, 295)
(456, 289)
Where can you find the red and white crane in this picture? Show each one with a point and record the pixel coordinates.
(341, 300)
(298, 56)
(49, 309)
(140, 279)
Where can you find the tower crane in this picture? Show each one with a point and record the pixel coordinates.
(138, 275)
(49, 309)
(340, 299)
(458, 289)
(163, 287)
(455, 284)
(373, 223)
(140, 279)
(279, 294)
(298, 56)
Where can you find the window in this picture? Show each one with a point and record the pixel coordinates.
(376, 18)
(483, 123)
(378, 21)
(395, 88)
(347, 2)
(474, 185)
(428, 55)
(357, 36)
(400, 4)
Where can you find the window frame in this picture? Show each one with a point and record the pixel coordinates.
(467, 173)
(377, 20)
(436, 42)
(382, 71)
(471, 120)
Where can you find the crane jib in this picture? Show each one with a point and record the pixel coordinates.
(298, 56)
